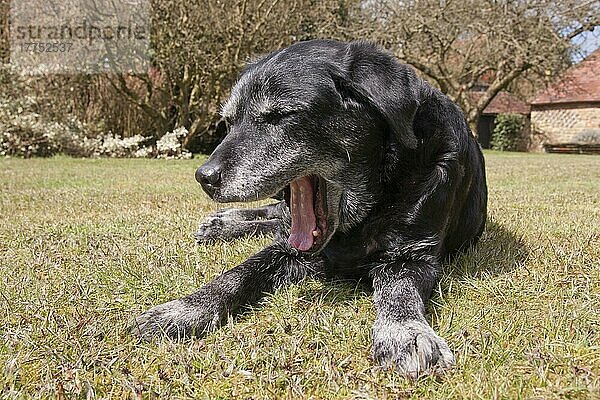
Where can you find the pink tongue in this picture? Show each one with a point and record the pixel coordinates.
(304, 221)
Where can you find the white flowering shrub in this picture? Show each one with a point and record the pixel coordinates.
(169, 145)
(114, 146)
(143, 152)
(26, 133)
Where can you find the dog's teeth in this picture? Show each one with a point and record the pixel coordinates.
(315, 233)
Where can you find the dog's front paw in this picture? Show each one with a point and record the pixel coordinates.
(176, 319)
(411, 347)
(210, 230)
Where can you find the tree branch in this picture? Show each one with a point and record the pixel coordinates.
(588, 26)
(495, 88)
(424, 68)
(135, 99)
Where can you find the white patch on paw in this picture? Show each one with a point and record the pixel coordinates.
(412, 347)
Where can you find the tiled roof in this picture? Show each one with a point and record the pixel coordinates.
(503, 103)
(578, 84)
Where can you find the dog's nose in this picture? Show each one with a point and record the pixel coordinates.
(209, 176)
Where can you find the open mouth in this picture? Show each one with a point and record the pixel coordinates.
(306, 198)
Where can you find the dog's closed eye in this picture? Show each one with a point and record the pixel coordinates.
(274, 117)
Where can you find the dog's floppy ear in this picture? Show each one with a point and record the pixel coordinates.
(372, 75)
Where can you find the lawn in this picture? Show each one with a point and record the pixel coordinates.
(87, 244)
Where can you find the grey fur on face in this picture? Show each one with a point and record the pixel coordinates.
(381, 180)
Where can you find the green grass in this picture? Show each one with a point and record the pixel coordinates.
(85, 245)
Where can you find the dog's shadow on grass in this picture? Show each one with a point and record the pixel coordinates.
(498, 251)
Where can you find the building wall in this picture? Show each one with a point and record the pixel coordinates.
(564, 123)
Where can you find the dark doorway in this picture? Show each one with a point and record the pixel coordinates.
(485, 127)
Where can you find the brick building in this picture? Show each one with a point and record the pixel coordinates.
(566, 116)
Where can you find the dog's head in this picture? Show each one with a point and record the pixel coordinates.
(313, 120)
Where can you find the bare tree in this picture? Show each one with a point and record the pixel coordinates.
(199, 48)
(483, 45)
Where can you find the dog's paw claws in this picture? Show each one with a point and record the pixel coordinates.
(413, 348)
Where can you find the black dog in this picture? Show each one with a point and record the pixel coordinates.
(381, 177)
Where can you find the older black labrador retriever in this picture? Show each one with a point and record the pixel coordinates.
(381, 177)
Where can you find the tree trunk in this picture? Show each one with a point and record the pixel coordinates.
(473, 120)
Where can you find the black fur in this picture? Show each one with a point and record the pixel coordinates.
(405, 186)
